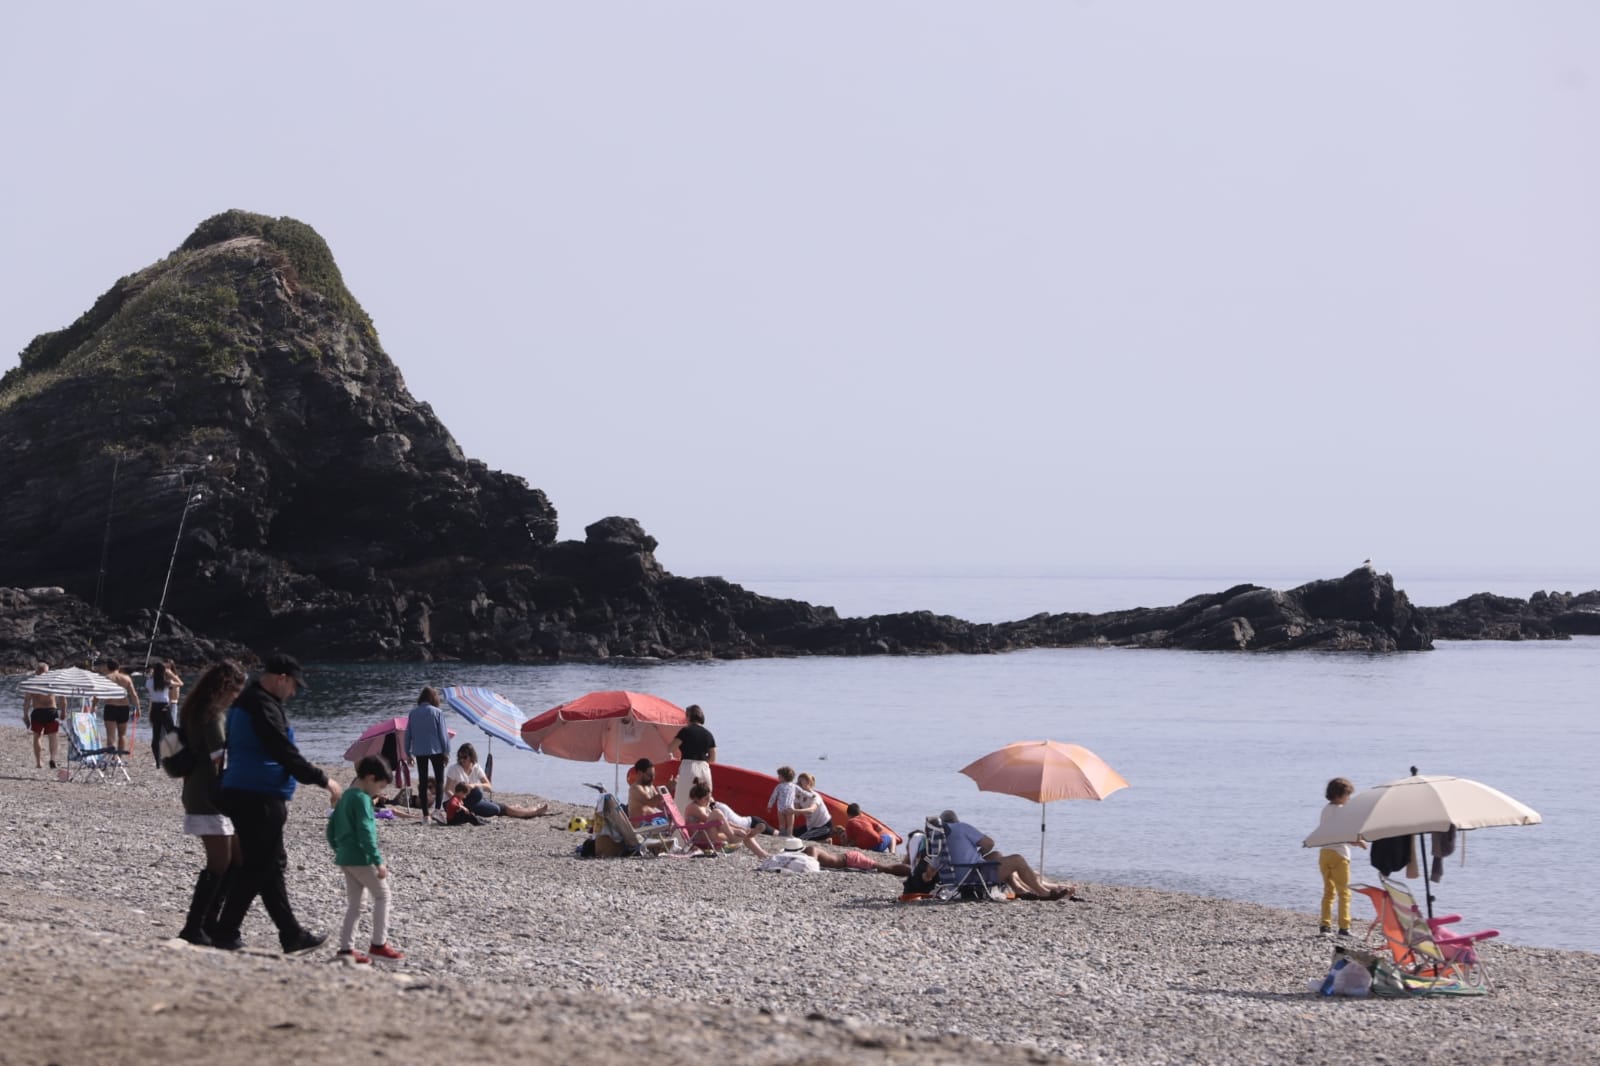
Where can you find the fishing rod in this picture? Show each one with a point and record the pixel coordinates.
(189, 500)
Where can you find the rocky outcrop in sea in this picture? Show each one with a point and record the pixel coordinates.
(229, 412)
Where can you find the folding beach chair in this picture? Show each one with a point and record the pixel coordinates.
(615, 835)
(688, 838)
(1422, 948)
(957, 880)
(88, 758)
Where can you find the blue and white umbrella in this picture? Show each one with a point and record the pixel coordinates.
(490, 712)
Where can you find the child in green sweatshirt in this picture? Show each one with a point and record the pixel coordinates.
(353, 834)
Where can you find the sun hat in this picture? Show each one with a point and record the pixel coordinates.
(793, 844)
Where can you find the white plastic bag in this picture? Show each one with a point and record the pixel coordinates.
(1352, 980)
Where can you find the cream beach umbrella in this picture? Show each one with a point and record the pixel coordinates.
(1045, 771)
(1420, 804)
(73, 681)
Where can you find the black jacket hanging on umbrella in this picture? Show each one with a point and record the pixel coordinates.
(1391, 854)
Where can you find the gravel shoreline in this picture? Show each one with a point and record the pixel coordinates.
(518, 952)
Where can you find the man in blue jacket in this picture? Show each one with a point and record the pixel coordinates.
(257, 782)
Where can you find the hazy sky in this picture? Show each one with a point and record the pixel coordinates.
(901, 286)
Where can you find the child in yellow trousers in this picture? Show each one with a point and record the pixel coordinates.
(1334, 860)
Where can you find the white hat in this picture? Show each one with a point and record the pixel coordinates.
(793, 844)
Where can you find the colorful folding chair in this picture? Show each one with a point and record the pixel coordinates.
(88, 758)
(1425, 947)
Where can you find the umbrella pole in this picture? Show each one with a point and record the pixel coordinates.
(1427, 886)
(1040, 871)
(488, 759)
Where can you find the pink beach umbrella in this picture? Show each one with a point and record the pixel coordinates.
(372, 741)
(1045, 771)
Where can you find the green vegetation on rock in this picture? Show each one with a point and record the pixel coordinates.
(182, 315)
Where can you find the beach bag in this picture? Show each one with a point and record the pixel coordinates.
(177, 758)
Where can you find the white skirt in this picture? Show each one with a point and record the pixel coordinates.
(207, 825)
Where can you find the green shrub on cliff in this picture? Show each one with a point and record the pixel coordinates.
(182, 314)
(307, 251)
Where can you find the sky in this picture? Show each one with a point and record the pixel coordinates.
(901, 287)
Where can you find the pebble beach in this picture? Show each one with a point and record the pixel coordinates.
(519, 952)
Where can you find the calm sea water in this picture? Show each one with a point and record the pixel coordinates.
(1226, 754)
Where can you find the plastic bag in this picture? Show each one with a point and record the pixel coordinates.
(1352, 980)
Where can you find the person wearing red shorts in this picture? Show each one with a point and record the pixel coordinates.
(856, 860)
(42, 715)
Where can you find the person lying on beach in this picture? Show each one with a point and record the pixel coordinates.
(969, 846)
(818, 822)
(701, 812)
(403, 804)
(852, 859)
(465, 770)
(862, 832)
(644, 799)
(740, 821)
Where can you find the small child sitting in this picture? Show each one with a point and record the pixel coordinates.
(456, 811)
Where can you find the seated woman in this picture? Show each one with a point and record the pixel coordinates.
(701, 811)
(466, 771)
(855, 860)
(819, 823)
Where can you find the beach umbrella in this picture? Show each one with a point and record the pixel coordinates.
(1417, 805)
(1045, 771)
(375, 738)
(617, 726)
(490, 712)
(72, 681)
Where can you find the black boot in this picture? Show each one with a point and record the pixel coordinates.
(207, 890)
(213, 911)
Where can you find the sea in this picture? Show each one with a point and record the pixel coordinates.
(1226, 754)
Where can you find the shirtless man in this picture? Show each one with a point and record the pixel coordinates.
(644, 802)
(116, 711)
(42, 715)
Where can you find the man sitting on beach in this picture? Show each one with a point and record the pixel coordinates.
(968, 846)
(644, 802)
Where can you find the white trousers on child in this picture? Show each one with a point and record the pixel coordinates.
(356, 880)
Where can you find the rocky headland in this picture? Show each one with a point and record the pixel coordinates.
(237, 392)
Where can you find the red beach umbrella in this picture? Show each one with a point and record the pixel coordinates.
(617, 726)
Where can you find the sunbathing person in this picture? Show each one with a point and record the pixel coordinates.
(644, 800)
(465, 770)
(855, 860)
(701, 812)
(969, 846)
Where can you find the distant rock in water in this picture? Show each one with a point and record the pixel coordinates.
(236, 387)
(1543, 616)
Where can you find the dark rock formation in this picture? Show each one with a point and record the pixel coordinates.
(1543, 616)
(236, 392)
(50, 625)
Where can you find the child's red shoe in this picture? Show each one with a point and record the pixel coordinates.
(384, 951)
(353, 956)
